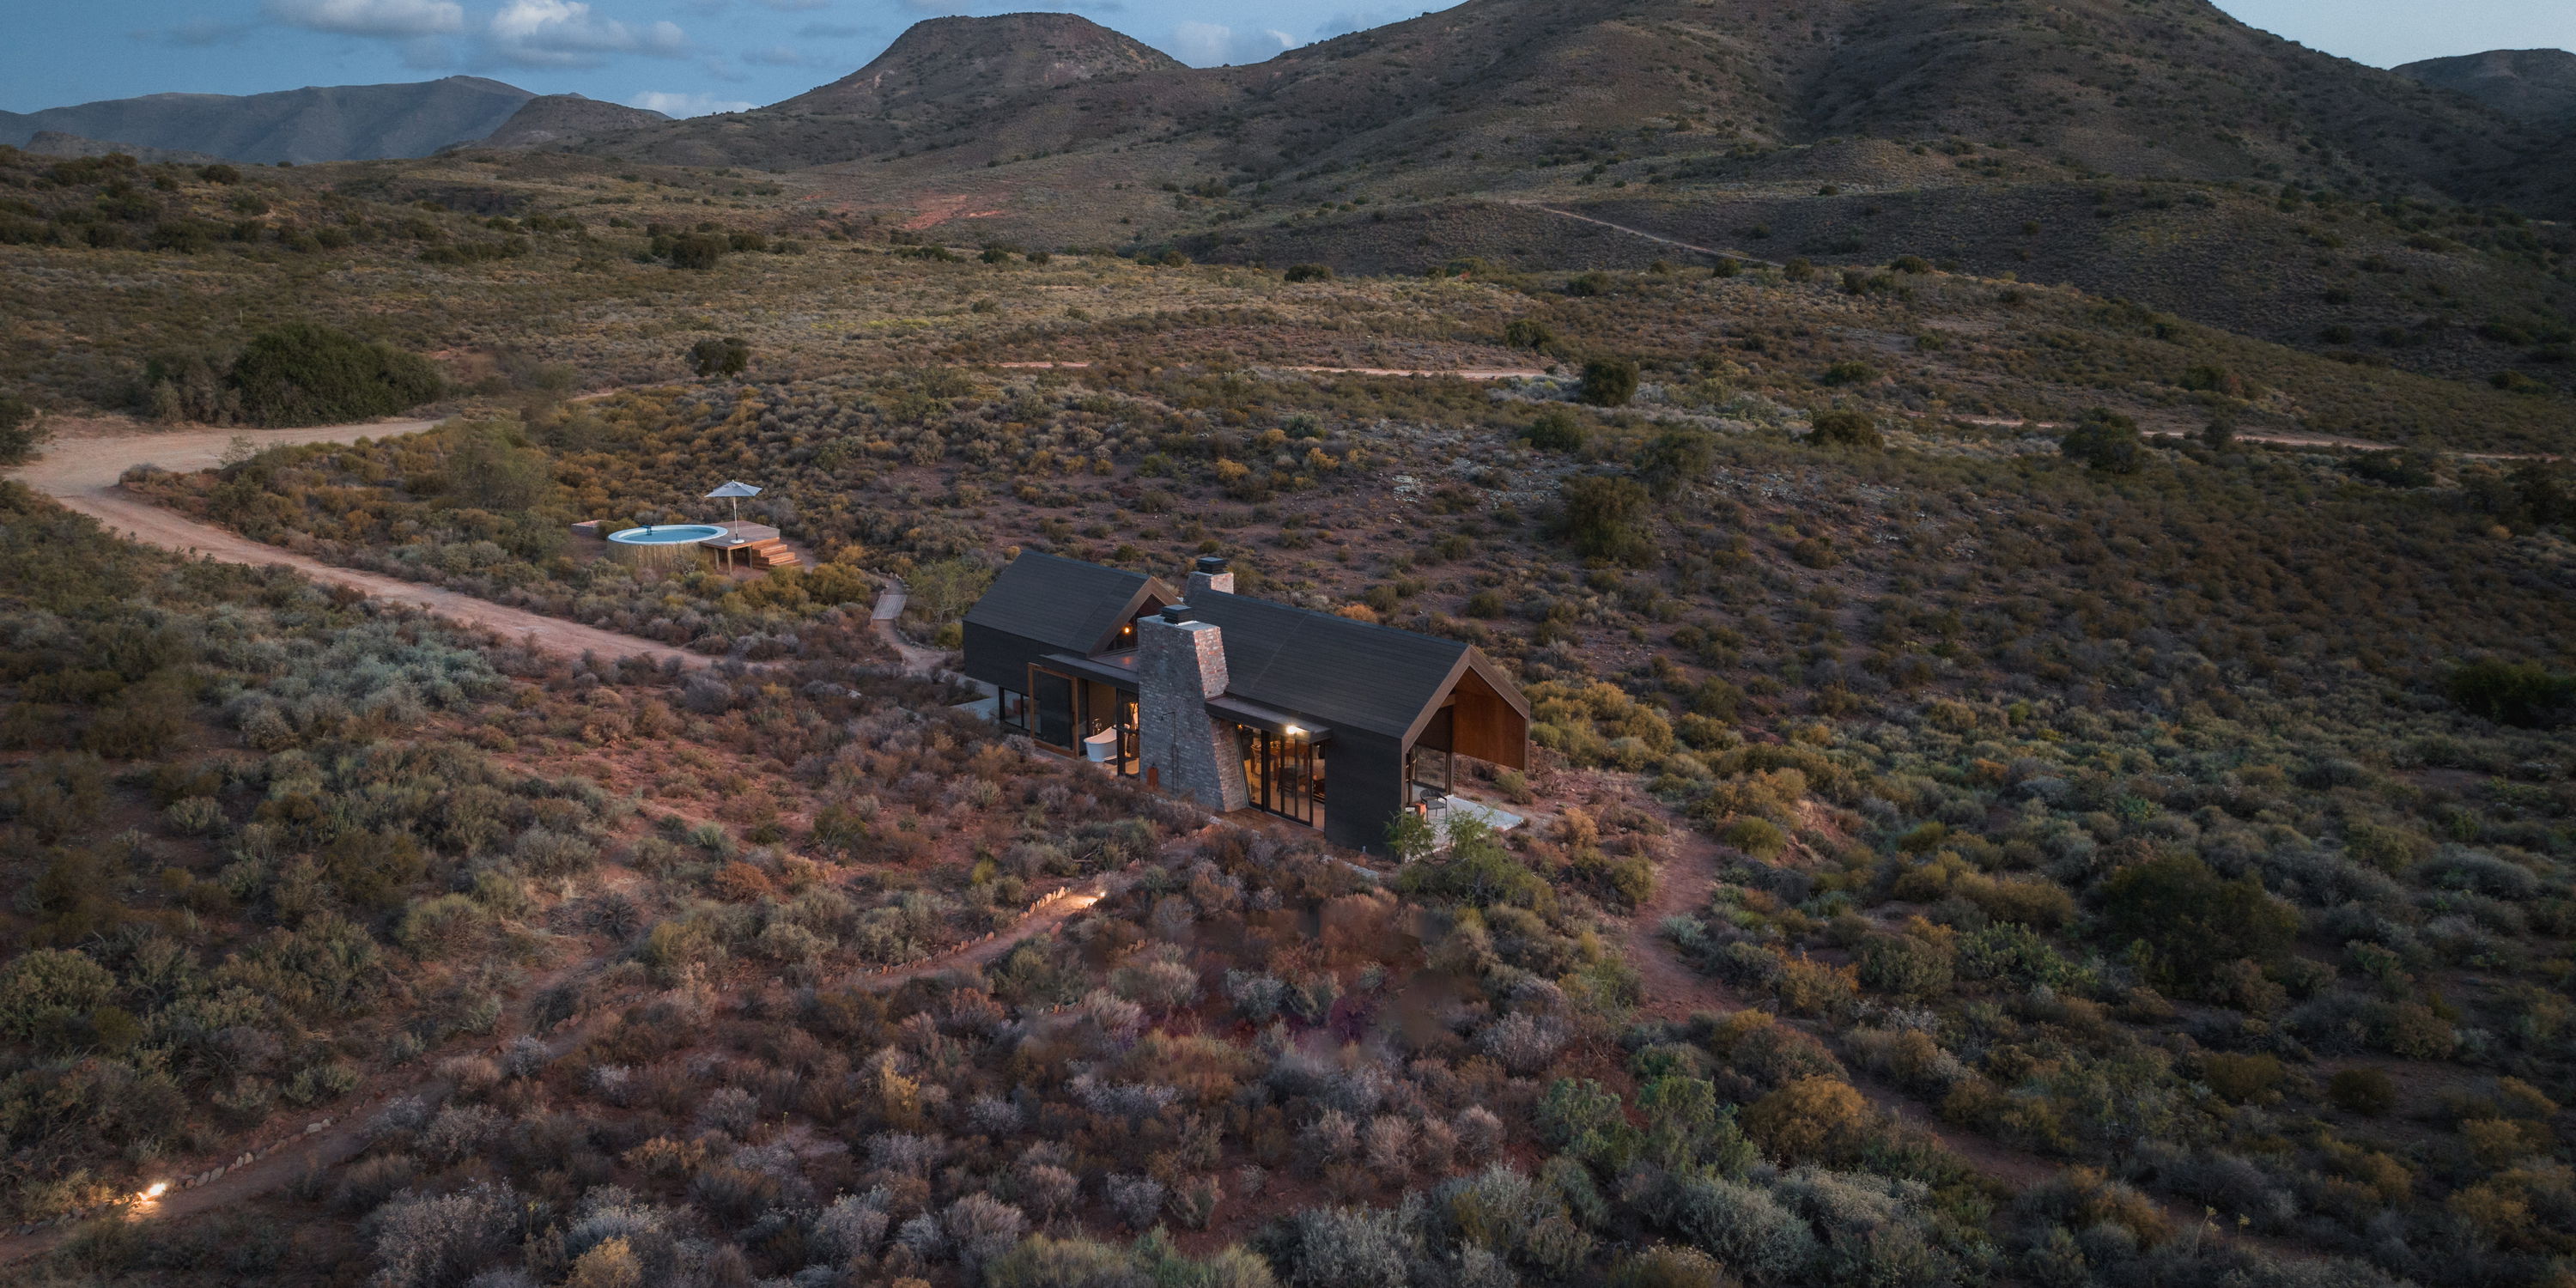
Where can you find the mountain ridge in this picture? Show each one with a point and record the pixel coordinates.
(312, 124)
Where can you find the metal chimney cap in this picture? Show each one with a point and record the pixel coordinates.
(1176, 613)
(1213, 563)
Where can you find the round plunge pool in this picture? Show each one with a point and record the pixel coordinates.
(668, 534)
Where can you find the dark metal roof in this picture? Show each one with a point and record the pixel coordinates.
(1063, 602)
(1343, 672)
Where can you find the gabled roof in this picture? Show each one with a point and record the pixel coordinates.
(1064, 603)
(1347, 673)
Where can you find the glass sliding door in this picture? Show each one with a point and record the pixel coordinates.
(1280, 772)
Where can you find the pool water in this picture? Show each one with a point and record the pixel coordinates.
(668, 534)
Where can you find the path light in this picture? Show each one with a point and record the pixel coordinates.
(153, 1192)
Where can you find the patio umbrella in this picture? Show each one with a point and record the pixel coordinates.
(734, 491)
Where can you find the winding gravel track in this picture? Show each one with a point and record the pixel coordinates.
(81, 466)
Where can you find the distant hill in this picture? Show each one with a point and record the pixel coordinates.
(942, 80)
(328, 123)
(2533, 85)
(550, 120)
(55, 143)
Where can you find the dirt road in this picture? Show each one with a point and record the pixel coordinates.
(81, 466)
(1711, 251)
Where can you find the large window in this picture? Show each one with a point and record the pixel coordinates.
(1013, 709)
(1430, 768)
(1052, 695)
(1284, 773)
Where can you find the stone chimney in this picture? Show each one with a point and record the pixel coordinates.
(1180, 664)
(1212, 573)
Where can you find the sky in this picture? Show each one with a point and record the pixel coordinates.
(692, 56)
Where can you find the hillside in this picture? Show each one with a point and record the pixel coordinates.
(2532, 85)
(557, 119)
(55, 143)
(324, 123)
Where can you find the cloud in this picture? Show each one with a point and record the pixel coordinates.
(387, 19)
(1207, 44)
(685, 104)
(564, 33)
(777, 56)
(197, 33)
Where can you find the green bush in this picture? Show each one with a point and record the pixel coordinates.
(700, 250)
(20, 430)
(2525, 694)
(2107, 441)
(2192, 919)
(1309, 273)
(2364, 1091)
(305, 373)
(1608, 382)
(712, 357)
(1605, 517)
(1556, 430)
(1845, 429)
(1848, 373)
(1527, 333)
(1675, 459)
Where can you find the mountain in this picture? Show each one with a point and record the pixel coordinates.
(1005, 77)
(2537, 86)
(328, 123)
(2122, 88)
(554, 119)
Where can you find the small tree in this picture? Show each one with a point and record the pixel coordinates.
(2106, 441)
(2219, 434)
(712, 357)
(1605, 517)
(1310, 273)
(1608, 382)
(2525, 694)
(1527, 333)
(20, 430)
(698, 250)
(305, 373)
(1556, 430)
(1675, 459)
(1842, 428)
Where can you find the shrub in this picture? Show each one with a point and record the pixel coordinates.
(1309, 273)
(2194, 920)
(2525, 694)
(1811, 1118)
(1848, 373)
(2106, 441)
(712, 357)
(432, 1241)
(1845, 429)
(1527, 333)
(1608, 382)
(2241, 1078)
(1556, 430)
(20, 431)
(699, 250)
(46, 989)
(1758, 837)
(1675, 459)
(305, 373)
(2365, 1091)
(1605, 517)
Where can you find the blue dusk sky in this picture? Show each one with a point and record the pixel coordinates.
(692, 56)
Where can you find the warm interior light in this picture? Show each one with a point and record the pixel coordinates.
(156, 1189)
(1294, 731)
